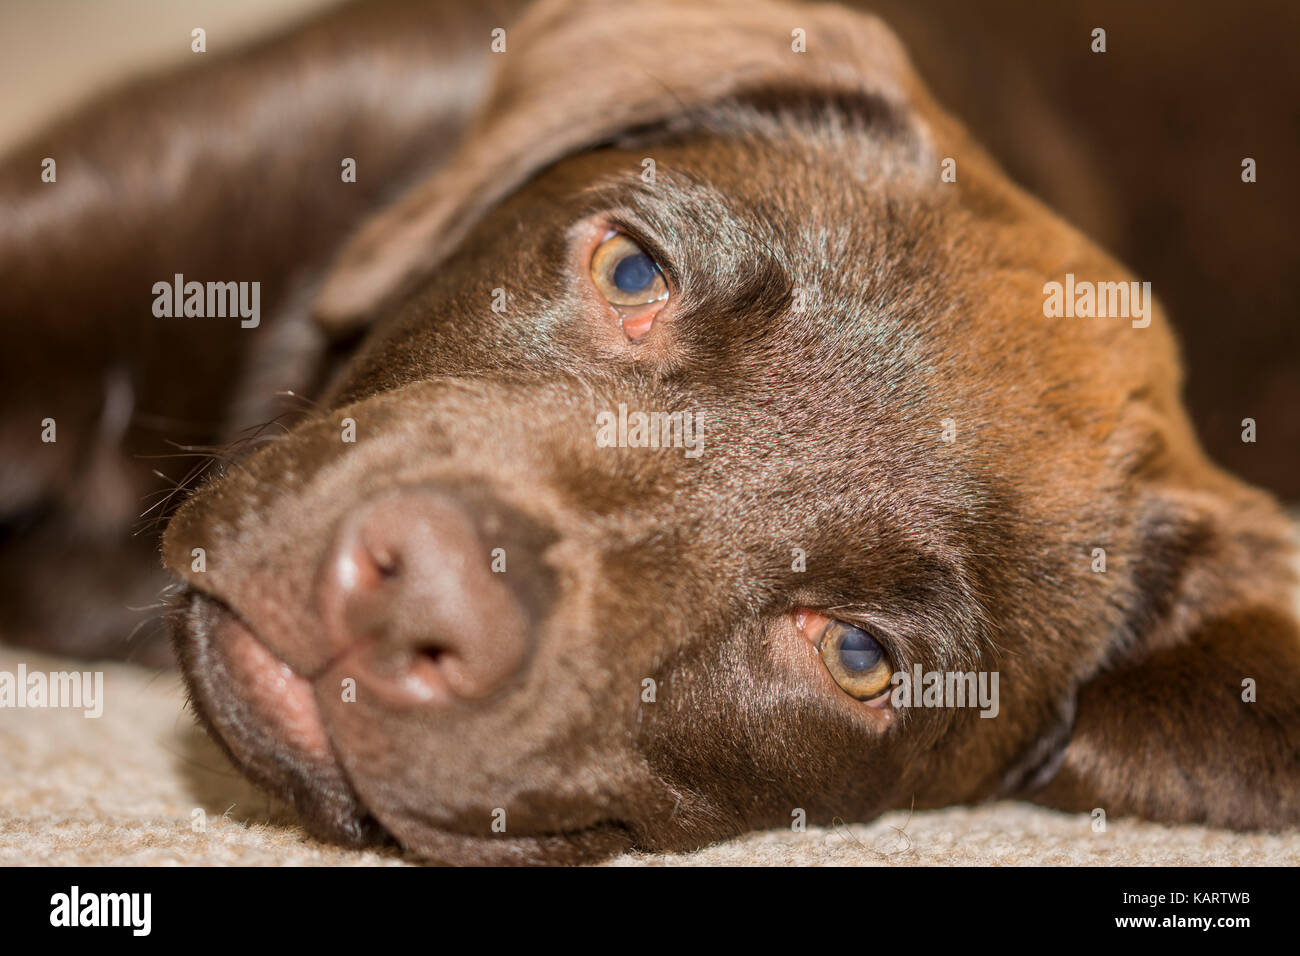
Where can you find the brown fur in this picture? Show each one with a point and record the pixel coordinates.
(775, 173)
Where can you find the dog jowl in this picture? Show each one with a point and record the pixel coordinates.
(442, 610)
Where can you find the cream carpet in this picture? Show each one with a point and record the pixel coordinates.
(126, 788)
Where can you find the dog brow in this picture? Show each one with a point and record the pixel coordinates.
(815, 104)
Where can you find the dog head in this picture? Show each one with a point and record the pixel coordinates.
(699, 405)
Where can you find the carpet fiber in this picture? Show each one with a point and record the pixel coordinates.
(141, 785)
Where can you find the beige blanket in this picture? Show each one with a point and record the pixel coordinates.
(140, 785)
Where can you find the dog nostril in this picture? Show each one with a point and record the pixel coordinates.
(415, 679)
(430, 656)
(387, 564)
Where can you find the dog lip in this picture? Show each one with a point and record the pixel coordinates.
(270, 683)
(328, 802)
(281, 695)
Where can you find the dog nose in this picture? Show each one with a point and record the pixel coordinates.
(410, 600)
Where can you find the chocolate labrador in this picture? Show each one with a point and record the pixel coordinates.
(710, 437)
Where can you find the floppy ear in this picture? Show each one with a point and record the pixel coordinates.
(575, 75)
(1199, 720)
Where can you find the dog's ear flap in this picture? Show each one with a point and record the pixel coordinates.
(1198, 718)
(576, 74)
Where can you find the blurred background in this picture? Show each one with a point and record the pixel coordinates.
(1140, 146)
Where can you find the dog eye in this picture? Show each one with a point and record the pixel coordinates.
(625, 274)
(856, 660)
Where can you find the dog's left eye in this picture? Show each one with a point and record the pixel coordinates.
(625, 274)
(856, 660)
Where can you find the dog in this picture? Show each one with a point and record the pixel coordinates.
(692, 421)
